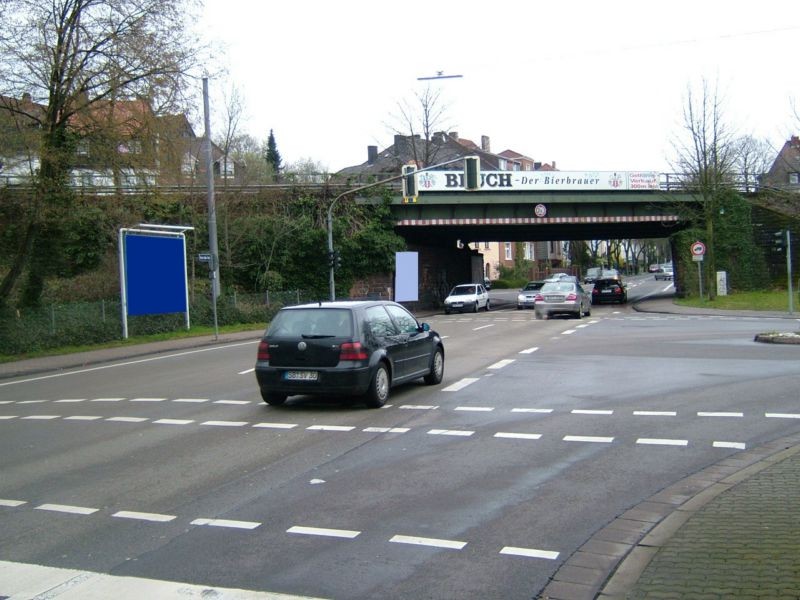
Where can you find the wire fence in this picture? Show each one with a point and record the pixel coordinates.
(52, 326)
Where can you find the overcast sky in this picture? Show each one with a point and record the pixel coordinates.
(590, 85)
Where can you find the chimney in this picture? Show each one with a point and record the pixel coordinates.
(400, 145)
(485, 146)
(372, 154)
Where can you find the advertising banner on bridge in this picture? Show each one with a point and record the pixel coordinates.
(511, 181)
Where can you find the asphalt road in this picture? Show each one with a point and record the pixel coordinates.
(170, 468)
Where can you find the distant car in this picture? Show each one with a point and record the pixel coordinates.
(609, 274)
(354, 348)
(467, 297)
(487, 283)
(654, 268)
(527, 295)
(562, 298)
(592, 273)
(609, 290)
(665, 272)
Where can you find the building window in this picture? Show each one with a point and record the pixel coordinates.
(508, 250)
(528, 250)
(794, 178)
(486, 245)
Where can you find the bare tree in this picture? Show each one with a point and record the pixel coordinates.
(707, 159)
(423, 117)
(753, 159)
(70, 57)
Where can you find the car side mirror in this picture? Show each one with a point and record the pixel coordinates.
(424, 327)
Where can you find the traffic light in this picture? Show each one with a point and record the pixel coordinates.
(331, 258)
(472, 173)
(409, 183)
(337, 260)
(779, 241)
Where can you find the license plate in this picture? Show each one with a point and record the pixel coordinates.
(301, 375)
(458, 304)
(554, 298)
(605, 291)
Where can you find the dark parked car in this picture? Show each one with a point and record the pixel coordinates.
(609, 290)
(354, 348)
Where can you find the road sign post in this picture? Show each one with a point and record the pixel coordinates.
(698, 251)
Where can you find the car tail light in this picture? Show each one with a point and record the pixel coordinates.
(538, 298)
(352, 351)
(595, 291)
(263, 350)
(572, 297)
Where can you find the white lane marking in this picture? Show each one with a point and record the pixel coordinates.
(482, 327)
(582, 411)
(588, 438)
(174, 421)
(530, 552)
(736, 445)
(71, 400)
(142, 516)
(12, 503)
(339, 533)
(226, 523)
(148, 399)
(330, 428)
(127, 419)
(31, 401)
(529, 350)
(83, 418)
(460, 385)
(432, 542)
(568, 332)
(720, 414)
(655, 413)
(582, 326)
(108, 399)
(386, 429)
(276, 425)
(518, 436)
(662, 442)
(782, 415)
(532, 410)
(6, 401)
(42, 417)
(65, 508)
(418, 406)
(475, 408)
(25, 581)
(225, 423)
(7, 417)
(196, 400)
(502, 363)
(129, 363)
(237, 402)
(246, 371)
(459, 432)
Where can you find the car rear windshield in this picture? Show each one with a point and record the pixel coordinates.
(558, 286)
(312, 322)
(533, 286)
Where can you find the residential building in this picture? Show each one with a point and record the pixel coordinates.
(784, 173)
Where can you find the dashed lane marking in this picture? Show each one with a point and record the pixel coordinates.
(518, 436)
(174, 421)
(483, 327)
(227, 523)
(142, 516)
(148, 400)
(475, 408)
(501, 363)
(530, 552)
(581, 411)
(456, 432)
(532, 410)
(734, 445)
(655, 413)
(662, 442)
(529, 350)
(432, 542)
(11, 503)
(782, 415)
(460, 385)
(330, 428)
(83, 418)
(127, 419)
(338, 533)
(276, 425)
(192, 400)
(65, 508)
(720, 414)
(225, 423)
(588, 438)
(418, 406)
(386, 429)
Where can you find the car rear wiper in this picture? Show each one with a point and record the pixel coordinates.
(316, 336)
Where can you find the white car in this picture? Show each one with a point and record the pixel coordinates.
(467, 297)
(665, 272)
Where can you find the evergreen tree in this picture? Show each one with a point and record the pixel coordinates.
(273, 156)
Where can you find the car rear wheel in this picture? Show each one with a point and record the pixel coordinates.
(378, 392)
(475, 308)
(273, 399)
(437, 368)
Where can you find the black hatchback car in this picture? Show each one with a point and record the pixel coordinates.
(610, 290)
(353, 348)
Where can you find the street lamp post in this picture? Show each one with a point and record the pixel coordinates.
(473, 168)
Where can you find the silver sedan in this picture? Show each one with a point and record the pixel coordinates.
(563, 298)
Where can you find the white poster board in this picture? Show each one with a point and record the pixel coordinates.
(406, 278)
